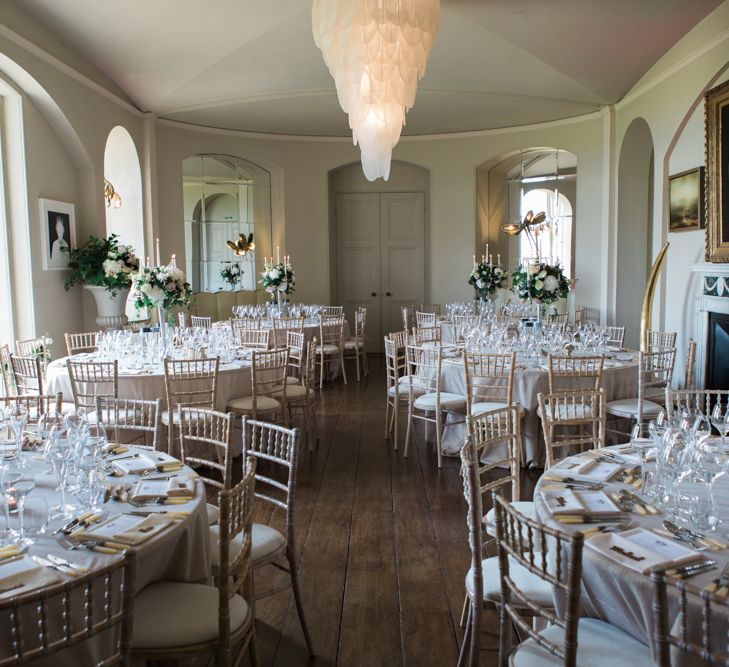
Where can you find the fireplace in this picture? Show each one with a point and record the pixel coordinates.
(717, 357)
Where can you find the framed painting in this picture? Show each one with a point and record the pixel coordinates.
(686, 200)
(58, 231)
(716, 111)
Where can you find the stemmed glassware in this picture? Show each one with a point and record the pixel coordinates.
(59, 453)
(720, 420)
(16, 416)
(17, 485)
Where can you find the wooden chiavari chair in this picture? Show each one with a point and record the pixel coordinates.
(430, 308)
(254, 339)
(96, 606)
(661, 340)
(303, 394)
(425, 396)
(182, 319)
(655, 371)
(222, 614)
(33, 347)
(464, 324)
(580, 315)
(489, 381)
(396, 397)
(140, 418)
(333, 311)
(695, 399)
(78, 343)
(281, 326)
(202, 322)
(615, 336)
(690, 621)
(572, 373)
(37, 405)
(206, 444)
(581, 412)
(354, 348)
(296, 344)
(331, 348)
(688, 379)
(138, 325)
(277, 446)
(27, 374)
(400, 338)
(431, 335)
(557, 319)
(7, 370)
(425, 320)
(562, 638)
(408, 317)
(482, 580)
(189, 383)
(268, 385)
(90, 379)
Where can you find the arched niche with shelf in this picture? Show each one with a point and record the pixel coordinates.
(224, 196)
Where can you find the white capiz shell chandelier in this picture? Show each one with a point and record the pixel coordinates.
(376, 50)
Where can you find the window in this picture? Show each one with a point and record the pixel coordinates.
(6, 311)
(554, 242)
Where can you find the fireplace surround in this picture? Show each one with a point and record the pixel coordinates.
(712, 326)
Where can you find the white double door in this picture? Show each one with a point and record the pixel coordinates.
(380, 262)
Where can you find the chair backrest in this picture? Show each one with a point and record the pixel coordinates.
(661, 340)
(234, 569)
(206, 440)
(254, 339)
(202, 322)
(34, 347)
(132, 415)
(430, 308)
(7, 370)
(615, 336)
(98, 603)
(427, 335)
(243, 323)
(572, 409)
(137, 325)
(424, 366)
(333, 311)
(400, 338)
(688, 378)
(90, 379)
(282, 326)
(360, 320)
(182, 319)
(394, 365)
(331, 330)
(571, 373)
(191, 383)
(278, 447)
(36, 404)
(268, 374)
(655, 371)
(76, 343)
(694, 623)
(557, 319)
(27, 374)
(310, 364)
(549, 554)
(408, 317)
(580, 315)
(425, 319)
(695, 399)
(489, 378)
(296, 343)
(463, 325)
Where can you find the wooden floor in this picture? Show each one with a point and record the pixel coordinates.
(381, 542)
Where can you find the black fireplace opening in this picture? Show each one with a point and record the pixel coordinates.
(717, 359)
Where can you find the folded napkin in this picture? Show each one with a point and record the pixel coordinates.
(568, 501)
(587, 468)
(126, 529)
(176, 487)
(23, 575)
(180, 487)
(148, 527)
(640, 550)
(139, 463)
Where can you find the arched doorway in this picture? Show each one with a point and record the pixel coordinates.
(379, 244)
(635, 215)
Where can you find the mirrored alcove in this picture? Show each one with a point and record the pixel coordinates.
(224, 196)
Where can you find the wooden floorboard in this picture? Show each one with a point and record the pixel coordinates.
(381, 542)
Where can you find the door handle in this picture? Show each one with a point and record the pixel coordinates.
(374, 293)
(388, 294)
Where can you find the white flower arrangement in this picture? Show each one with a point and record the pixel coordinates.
(486, 278)
(278, 278)
(160, 287)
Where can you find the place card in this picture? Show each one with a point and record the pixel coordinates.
(568, 501)
(587, 468)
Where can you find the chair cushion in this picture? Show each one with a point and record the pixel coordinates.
(245, 404)
(264, 541)
(530, 584)
(486, 406)
(577, 411)
(525, 507)
(171, 613)
(213, 513)
(427, 401)
(598, 644)
(165, 417)
(236, 544)
(292, 380)
(628, 407)
(352, 344)
(296, 391)
(404, 391)
(328, 348)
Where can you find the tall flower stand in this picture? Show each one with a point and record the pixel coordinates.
(110, 307)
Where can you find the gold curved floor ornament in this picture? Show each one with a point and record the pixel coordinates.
(646, 312)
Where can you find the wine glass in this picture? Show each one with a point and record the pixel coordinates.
(17, 485)
(16, 415)
(36, 515)
(720, 421)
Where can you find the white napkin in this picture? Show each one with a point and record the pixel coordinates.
(640, 550)
(180, 487)
(27, 573)
(144, 461)
(567, 501)
(587, 468)
(127, 529)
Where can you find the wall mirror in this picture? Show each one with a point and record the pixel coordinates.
(717, 173)
(224, 196)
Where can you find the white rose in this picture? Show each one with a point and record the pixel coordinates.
(538, 284)
(533, 269)
(480, 283)
(275, 274)
(551, 283)
(111, 267)
(541, 274)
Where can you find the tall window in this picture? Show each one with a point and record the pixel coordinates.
(6, 312)
(555, 241)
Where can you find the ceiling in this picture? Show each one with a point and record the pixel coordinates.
(251, 65)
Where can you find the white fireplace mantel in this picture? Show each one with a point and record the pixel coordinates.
(712, 297)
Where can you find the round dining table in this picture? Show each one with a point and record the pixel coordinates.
(619, 380)
(178, 550)
(619, 594)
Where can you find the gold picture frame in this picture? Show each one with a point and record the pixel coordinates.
(716, 114)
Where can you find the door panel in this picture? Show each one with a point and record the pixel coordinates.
(402, 220)
(217, 253)
(358, 262)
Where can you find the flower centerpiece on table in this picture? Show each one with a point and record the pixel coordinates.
(161, 287)
(102, 263)
(231, 273)
(486, 279)
(540, 282)
(278, 278)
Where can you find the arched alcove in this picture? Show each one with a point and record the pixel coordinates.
(635, 215)
(379, 244)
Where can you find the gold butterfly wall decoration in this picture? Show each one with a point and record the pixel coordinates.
(243, 245)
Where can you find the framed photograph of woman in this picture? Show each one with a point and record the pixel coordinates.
(58, 231)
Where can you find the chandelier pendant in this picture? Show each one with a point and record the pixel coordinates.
(376, 51)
